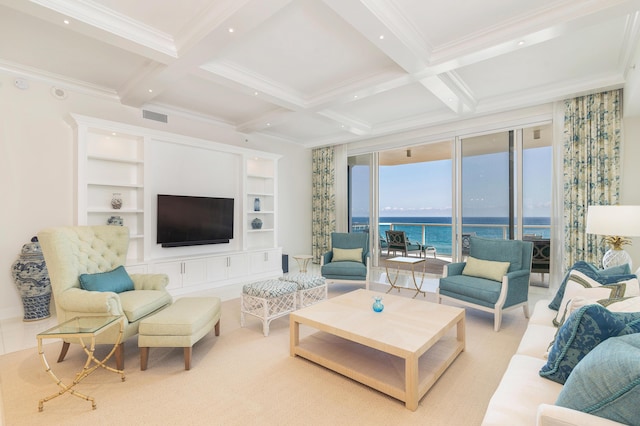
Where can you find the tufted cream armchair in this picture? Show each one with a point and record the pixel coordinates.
(72, 251)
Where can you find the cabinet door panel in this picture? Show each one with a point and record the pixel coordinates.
(173, 270)
(194, 272)
(237, 265)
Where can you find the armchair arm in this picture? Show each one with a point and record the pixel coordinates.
(150, 281)
(79, 300)
(326, 258)
(518, 286)
(454, 269)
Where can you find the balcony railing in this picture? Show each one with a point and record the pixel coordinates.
(439, 234)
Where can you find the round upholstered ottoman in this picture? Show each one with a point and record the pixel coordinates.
(267, 300)
(311, 289)
(180, 325)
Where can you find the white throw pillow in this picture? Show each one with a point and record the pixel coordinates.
(580, 285)
(347, 255)
(488, 269)
(631, 304)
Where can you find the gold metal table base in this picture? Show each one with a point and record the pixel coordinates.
(88, 368)
(406, 261)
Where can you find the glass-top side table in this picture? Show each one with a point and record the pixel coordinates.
(82, 329)
(411, 261)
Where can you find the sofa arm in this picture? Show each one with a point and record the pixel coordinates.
(79, 300)
(553, 415)
(326, 258)
(150, 281)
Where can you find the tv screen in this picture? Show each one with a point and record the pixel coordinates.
(187, 221)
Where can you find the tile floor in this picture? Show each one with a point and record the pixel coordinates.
(16, 334)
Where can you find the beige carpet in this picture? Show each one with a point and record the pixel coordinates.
(243, 378)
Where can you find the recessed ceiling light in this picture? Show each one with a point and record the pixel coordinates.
(231, 30)
(381, 37)
(150, 90)
(66, 22)
(268, 124)
(355, 96)
(521, 43)
(255, 93)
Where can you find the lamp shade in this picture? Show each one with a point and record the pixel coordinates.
(623, 221)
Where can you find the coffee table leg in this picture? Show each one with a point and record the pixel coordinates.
(294, 336)
(411, 382)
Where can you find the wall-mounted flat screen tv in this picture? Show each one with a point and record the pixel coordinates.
(188, 221)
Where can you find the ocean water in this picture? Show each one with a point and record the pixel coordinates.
(438, 229)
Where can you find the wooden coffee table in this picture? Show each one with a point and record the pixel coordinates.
(400, 351)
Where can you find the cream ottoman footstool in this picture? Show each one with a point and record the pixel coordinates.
(180, 325)
(267, 300)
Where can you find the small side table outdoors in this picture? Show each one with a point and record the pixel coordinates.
(80, 328)
(303, 261)
(412, 261)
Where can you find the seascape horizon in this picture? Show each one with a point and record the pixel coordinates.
(437, 229)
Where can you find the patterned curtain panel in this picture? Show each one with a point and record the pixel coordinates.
(592, 138)
(323, 215)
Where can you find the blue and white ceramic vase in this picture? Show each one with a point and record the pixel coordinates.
(377, 304)
(256, 205)
(32, 279)
(256, 223)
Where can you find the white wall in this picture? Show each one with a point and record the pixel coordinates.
(37, 160)
(631, 177)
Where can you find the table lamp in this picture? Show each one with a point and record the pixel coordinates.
(615, 223)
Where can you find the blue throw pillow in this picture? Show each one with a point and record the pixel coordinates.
(116, 281)
(606, 383)
(585, 329)
(603, 276)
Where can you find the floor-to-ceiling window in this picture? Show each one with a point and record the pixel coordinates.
(496, 185)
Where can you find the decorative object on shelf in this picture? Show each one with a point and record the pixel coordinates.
(116, 200)
(115, 220)
(256, 204)
(256, 223)
(377, 304)
(32, 279)
(615, 223)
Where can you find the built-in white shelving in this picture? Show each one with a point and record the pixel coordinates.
(117, 158)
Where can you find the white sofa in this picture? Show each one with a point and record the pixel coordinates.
(525, 398)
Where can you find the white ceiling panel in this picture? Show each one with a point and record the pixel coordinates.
(564, 59)
(321, 72)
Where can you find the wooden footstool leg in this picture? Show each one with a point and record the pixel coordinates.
(217, 328)
(144, 358)
(187, 358)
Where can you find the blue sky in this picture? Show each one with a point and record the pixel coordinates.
(424, 189)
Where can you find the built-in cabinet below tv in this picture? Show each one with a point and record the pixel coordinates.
(138, 163)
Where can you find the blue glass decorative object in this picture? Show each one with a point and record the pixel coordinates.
(377, 304)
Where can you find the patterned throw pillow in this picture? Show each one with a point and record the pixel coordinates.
(585, 329)
(580, 285)
(603, 276)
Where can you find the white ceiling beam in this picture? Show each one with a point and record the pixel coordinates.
(209, 35)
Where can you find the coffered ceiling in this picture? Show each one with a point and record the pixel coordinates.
(320, 72)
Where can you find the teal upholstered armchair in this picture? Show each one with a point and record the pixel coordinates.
(348, 260)
(495, 277)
